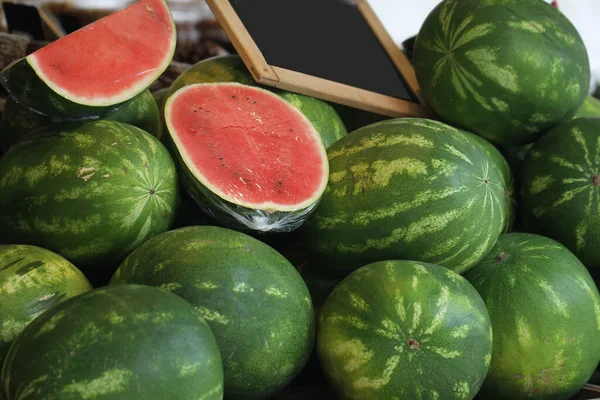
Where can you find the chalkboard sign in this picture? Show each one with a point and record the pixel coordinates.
(35, 22)
(336, 50)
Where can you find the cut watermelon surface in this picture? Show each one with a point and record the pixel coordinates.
(246, 146)
(103, 64)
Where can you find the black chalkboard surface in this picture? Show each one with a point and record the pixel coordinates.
(336, 50)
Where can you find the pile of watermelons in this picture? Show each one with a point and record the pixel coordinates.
(231, 240)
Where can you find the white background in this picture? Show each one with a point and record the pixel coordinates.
(403, 19)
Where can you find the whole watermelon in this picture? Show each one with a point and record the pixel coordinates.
(409, 188)
(560, 187)
(405, 330)
(545, 312)
(255, 302)
(18, 120)
(508, 70)
(120, 342)
(89, 191)
(31, 281)
(232, 69)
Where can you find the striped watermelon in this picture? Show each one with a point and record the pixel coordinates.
(545, 312)
(410, 189)
(508, 70)
(560, 188)
(18, 120)
(405, 330)
(89, 191)
(31, 281)
(255, 302)
(232, 69)
(121, 342)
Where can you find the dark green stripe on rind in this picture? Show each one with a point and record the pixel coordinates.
(21, 82)
(121, 342)
(232, 69)
(32, 280)
(545, 312)
(508, 70)
(407, 189)
(90, 191)
(405, 330)
(18, 120)
(560, 187)
(255, 302)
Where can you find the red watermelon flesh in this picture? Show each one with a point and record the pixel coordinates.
(248, 146)
(112, 59)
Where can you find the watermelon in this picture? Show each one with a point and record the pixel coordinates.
(120, 342)
(545, 312)
(31, 281)
(590, 108)
(18, 120)
(247, 156)
(89, 191)
(409, 188)
(405, 330)
(255, 302)
(560, 187)
(231, 69)
(508, 180)
(507, 70)
(94, 70)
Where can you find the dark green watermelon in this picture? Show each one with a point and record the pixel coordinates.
(255, 302)
(545, 312)
(405, 330)
(409, 188)
(507, 70)
(120, 342)
(561, 187)
(89, 191)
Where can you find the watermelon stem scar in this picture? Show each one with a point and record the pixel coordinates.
(248, 157)
(413, 344)
(596, 180)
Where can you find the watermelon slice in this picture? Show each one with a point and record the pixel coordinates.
(247, 156)
(99, 67)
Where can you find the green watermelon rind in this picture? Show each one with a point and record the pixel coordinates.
(545, 313)
(118, 342)
(404, 328)
(503, 69)
(407, 188)
(559, 188)
(251, 296)
(90, 191)
(221, 207)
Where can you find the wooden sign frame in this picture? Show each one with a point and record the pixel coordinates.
(321, 88)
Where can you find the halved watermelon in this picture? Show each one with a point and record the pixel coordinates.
(247, 156)
(95, 69)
